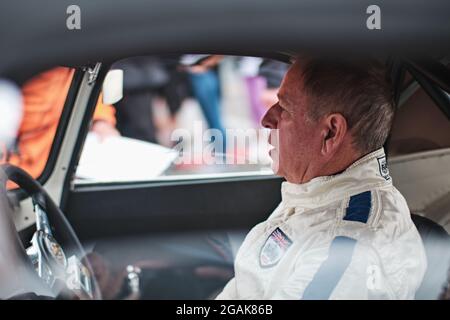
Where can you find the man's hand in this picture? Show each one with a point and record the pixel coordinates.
(104, 129)
(205, 65)
(198, 69)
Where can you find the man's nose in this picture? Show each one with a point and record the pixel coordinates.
(270, 118)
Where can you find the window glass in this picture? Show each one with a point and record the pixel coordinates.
(186, 116)
(41, 101)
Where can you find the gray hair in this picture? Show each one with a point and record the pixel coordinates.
(359, 90)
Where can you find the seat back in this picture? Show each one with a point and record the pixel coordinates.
(437, 248)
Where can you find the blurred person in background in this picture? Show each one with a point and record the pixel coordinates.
(262, 79)
(11, 105)
(142, 78)
(273, 72)
(202, 71)
(146, 79)
(43, 101)
(255, 85)
(174, 92)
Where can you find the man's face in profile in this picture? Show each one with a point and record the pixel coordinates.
(295, 137)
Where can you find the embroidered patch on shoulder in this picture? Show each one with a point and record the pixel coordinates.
(384, 170)
(274, 248)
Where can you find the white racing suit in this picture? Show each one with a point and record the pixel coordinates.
(347, 236)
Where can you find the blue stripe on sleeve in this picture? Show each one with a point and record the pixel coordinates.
(359, 207)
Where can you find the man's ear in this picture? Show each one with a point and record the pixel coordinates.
(334, 132)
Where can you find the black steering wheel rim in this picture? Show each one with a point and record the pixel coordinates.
(60, 225)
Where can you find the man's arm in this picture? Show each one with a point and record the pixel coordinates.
(104, 124)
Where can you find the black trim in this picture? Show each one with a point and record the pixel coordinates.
(438, 95)
(397, 74)
(434, 71)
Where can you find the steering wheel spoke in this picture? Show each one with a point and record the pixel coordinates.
(58, 271)
(42, 223)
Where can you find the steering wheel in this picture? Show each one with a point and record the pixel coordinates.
(55, 252)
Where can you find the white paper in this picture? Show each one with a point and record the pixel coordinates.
(118, 159)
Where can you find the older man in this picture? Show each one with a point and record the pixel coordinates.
(342, 230)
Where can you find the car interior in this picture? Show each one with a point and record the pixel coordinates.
(177, 238)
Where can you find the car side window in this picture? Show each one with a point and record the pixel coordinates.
(186, 117)
(42, 102)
